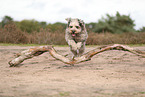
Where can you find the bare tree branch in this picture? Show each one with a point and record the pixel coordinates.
(27, 54)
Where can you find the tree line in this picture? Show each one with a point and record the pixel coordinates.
(113, 24)
(108, 30)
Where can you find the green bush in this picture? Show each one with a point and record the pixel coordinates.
(114, 24)
(29, 25)
(6, 20)
(141, 29)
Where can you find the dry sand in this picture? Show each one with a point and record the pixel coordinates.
(109, 74)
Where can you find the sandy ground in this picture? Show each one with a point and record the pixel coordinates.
(109, 74)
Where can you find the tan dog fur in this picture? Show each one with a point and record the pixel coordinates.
(76, 36)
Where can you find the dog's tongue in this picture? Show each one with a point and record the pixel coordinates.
(73, 34)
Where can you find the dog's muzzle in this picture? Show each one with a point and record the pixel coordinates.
(73, 33)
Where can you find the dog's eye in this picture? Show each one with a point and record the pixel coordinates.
(77, 27)
(70, 26)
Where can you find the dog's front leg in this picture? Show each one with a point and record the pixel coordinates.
(79, 45)
(73, 47)
(72, 44)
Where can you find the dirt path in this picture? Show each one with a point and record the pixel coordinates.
(109, 74)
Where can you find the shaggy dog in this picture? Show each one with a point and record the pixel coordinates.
(76, 36)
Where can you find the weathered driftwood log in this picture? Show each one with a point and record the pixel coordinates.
(27, 54)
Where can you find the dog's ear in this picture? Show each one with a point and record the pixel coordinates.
(81, 21)
(82, 24)
(68, 20)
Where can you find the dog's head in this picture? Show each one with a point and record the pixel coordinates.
(75, 26)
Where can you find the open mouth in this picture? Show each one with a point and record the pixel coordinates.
(73, 34)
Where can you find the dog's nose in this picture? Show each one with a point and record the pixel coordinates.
(73, 31)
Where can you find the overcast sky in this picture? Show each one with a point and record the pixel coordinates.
(57, 10)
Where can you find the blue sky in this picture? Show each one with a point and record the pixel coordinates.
(57, 10)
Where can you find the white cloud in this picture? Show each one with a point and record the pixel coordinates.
(57, 10)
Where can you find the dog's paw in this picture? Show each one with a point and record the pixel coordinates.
(74, 48)
(79, 45)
